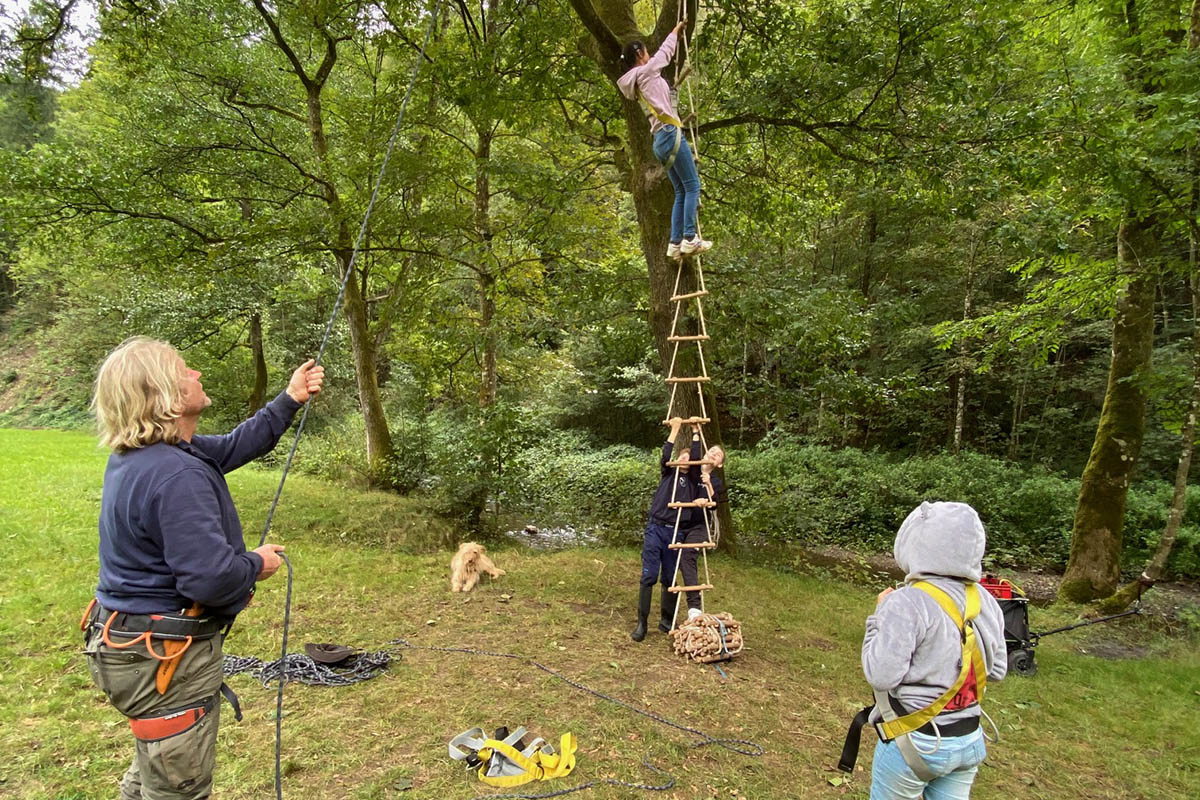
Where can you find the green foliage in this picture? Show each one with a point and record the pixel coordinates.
(788, 491)
(609, 487)
(371, 566)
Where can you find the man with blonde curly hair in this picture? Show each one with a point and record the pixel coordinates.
(174, 570)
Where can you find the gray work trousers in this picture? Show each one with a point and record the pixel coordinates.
(179, 767)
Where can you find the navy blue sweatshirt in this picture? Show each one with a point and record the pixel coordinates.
(689, 488)
(169, 533)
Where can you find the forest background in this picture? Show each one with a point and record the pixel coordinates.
(955, 251)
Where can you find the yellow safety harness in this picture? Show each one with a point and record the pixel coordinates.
(503, 765)
(894, 727)
(972, 658)
(665, 119)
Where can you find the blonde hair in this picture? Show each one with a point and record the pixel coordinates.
(137, 399)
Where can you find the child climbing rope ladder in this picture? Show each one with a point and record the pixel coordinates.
(644, 82)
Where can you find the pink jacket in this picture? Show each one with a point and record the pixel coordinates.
(649, 79)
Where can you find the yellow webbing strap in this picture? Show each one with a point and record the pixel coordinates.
(972, 656)
(661, 116)
(541, 767)
(560, 764)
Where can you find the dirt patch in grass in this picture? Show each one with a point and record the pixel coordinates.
(1114, 651)
(1166, 599)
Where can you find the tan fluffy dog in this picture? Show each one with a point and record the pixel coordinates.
(470, 560)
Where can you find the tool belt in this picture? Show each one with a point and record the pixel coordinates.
(177, 632)
(506, 760)
(172, 627)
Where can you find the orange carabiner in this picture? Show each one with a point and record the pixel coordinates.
(166, 646)
(143, 636)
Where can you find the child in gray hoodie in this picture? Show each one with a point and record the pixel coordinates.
(913, 651)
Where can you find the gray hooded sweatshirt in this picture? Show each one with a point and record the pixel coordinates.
(912, 647)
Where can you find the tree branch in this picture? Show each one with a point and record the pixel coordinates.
(297, 67)
(607, 44)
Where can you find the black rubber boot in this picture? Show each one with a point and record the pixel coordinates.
(668, 611)
(639, 632)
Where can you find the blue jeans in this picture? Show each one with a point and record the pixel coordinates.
(684, 178)
(657, 556)
(955, 763)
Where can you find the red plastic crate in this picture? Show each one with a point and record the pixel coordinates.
(997, 587)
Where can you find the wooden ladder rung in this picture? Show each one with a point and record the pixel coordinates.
(692, 546)
(703, 587)
(701, 463)
(690, 421)
(698, 338)
(693, 504)
(697, 379)
(680, 297)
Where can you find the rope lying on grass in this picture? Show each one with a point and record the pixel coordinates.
(301, 668)
(743, 747)
(708, 637)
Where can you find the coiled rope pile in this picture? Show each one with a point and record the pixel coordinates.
(301, 668)
(708, 637)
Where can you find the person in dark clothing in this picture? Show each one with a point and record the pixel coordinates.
(679, 485)
(171, 552)
(711, 488)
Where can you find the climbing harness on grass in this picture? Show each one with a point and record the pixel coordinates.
(740, 746)
(966, 691)
(506, 760)
(470, 740)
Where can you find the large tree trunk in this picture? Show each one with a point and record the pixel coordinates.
(1157, 565)
(611, 23)
(362, 344)
(379, 440)
(258, 395)
(1093, 568)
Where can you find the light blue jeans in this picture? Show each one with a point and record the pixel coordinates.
(955, 763)
(684, 178)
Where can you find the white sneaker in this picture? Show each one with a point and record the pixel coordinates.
(694, 245)
(693, 613)
(673, 250)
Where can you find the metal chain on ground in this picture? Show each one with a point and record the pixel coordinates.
(743, 747)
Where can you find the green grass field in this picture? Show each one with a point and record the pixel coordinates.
(372, 567)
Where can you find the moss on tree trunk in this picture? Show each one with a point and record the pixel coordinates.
(1093, 568)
